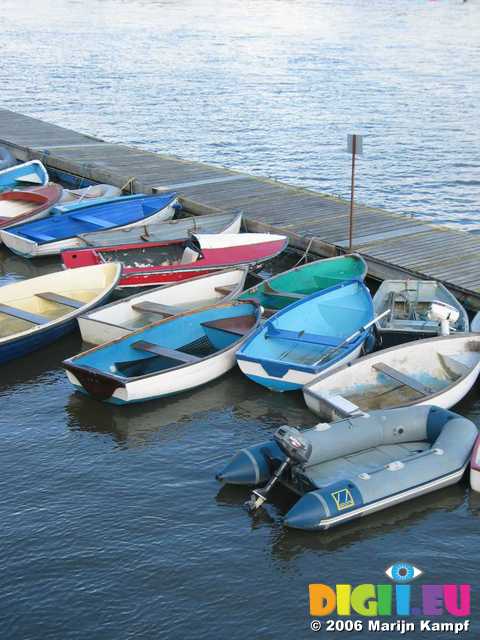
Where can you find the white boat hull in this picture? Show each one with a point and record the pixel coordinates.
(360, 380)
(118, 319)
(172, 381)
(475, 479)
(475, 467)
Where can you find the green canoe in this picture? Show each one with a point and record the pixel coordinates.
(281, 290)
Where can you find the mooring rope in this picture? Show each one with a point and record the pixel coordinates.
(304, 256)
(129, 183)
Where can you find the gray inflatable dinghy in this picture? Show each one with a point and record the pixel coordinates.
(348, 469)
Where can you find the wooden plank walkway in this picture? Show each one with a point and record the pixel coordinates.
(394, 245)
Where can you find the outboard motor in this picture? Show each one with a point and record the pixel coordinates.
(445, 314)
(297, 450)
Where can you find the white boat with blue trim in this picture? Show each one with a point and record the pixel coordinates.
(320, 331)
(176, 354)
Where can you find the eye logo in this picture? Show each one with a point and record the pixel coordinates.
(403, 572)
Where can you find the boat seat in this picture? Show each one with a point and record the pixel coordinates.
(42, 237)
(403, 378)
(154, 307)
(189, 255)
(158, 350)
(268, 313)
(239, 325)
(55, 297)
(226, 290)
(340, 405)
(453, 365)
(85, 217)
(299, 336)
(269, 290)
(21, 314)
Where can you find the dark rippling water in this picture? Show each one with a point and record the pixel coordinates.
(112, 524)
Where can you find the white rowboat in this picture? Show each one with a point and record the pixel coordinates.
(439, 371)
(120, 318)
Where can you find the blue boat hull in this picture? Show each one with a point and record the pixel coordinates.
(22, 346)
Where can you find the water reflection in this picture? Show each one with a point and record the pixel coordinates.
(288, 544)
(14, 267)
(133, 425)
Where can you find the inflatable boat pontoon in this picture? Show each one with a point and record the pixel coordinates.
(348, 469)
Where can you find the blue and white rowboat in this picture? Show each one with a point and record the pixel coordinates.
(179, 353)
(312, 335)
(57, 233)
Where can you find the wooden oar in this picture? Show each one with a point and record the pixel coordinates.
(358, 332)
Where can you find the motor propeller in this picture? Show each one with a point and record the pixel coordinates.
(297, 450)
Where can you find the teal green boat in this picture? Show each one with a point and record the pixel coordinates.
(285, 288)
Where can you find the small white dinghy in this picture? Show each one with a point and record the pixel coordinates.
(93, 192)
(438, 371)
(418, 309)
(120, 318)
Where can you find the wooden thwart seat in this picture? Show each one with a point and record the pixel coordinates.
(269, 290)
(300, 336)
(158, 350)
(55, 297)
(226, 290)
(340, 405)
(404, 379)
(97, 222)
(154, 307)
(21, 314)
(239, 325)
(39, 237)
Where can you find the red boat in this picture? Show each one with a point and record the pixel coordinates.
(29, 204)
(155, 263)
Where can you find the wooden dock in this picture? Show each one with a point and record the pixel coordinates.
(394, 245)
